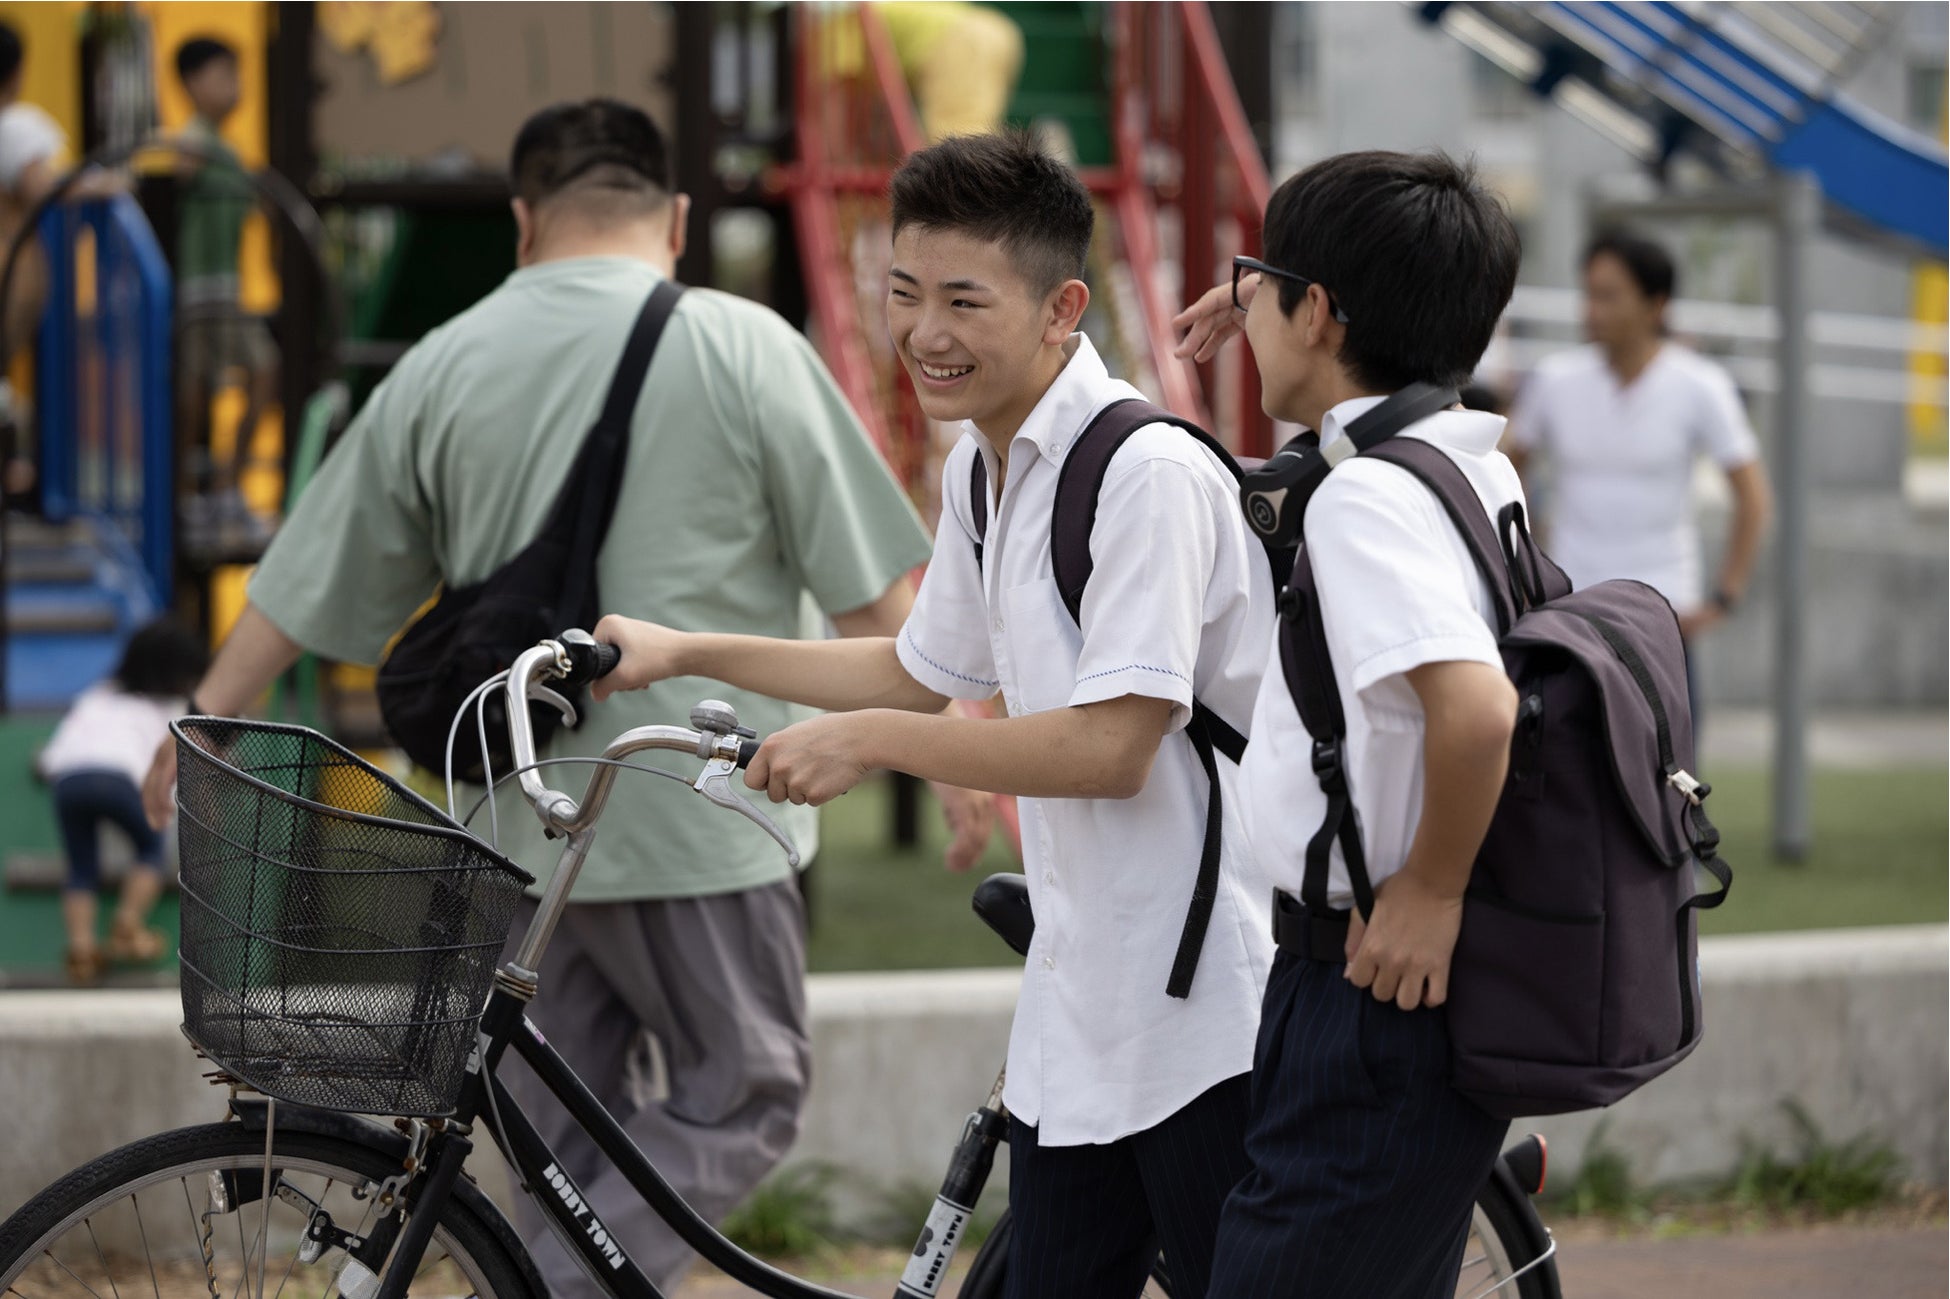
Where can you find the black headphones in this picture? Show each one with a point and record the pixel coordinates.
(1275, 495)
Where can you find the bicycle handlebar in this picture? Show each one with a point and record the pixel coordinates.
(576, 658)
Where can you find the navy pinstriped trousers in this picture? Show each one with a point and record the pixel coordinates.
(1366, 1162)
(1090, 1220)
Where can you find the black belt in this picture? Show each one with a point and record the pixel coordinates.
(1310, 935)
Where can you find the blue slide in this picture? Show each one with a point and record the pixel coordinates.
(1753, 81)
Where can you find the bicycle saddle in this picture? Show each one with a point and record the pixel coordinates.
(1003, 901)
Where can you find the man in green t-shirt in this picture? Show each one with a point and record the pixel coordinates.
(748, 486)
(215, 336)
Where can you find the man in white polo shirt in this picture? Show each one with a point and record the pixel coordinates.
(1621, 423)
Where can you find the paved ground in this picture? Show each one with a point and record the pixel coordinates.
(1820, 1263)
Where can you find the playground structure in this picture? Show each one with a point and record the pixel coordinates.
(1147, 97)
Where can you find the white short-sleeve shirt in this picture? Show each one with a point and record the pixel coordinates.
(27, 136)
(1179, 603)
(108, 729)
(1398, 590)
(1622, 462)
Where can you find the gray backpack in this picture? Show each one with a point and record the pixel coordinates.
(1575, 979)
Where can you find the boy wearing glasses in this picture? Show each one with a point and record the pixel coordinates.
(1382, 270)
(1128, 1104)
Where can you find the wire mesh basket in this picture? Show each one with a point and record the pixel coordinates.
(340, 933)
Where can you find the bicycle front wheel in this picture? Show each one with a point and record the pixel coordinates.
(1506, 1255)
(181, 1215)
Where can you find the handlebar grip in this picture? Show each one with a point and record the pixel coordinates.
(607, 657)
(747, 750)
(589, 658)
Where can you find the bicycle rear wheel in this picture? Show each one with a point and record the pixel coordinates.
(1505, 1237)
(181, 1215)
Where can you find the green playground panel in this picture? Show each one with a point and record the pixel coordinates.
(1064, 74)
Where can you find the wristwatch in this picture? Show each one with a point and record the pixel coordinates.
(1723, 600)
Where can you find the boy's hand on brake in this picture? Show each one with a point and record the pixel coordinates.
(1212, 320)
(1402, 954)
(649, 655)
(814, 762)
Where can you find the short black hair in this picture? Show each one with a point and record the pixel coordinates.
(162, 660)
(199, 52)
(11, 53)
(1420, 256)
(1002, 188)
(601, 149)
(1648, 263)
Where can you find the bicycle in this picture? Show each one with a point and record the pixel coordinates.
(341, 967)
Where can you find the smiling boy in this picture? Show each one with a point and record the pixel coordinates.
(1128, 1104)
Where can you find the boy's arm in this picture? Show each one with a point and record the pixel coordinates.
(1100, 750)
(1403, 954)
(839, 675)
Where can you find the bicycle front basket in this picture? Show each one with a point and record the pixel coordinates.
(339, 932)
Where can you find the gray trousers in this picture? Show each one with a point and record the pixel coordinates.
(718, 985)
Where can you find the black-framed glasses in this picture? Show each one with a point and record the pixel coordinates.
(1244, 265)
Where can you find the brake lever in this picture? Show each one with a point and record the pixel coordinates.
(540, 693)
(715, 784)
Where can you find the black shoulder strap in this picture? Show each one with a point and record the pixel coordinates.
(1072, 517)
(583, 511)
(978, 502)
(1081, 481)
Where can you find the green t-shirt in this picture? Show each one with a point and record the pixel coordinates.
(210, 222)
(749, 486)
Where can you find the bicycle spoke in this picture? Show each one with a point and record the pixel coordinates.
(148, 1255)
(70, 1271)
(244, 1273)
(106, 1270)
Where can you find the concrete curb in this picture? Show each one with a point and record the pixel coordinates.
(1851, 1024)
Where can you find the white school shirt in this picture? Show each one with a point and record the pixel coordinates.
(27, 136)
(107, 729)
(1398, 590)
(1622, 462)
(1179, 602)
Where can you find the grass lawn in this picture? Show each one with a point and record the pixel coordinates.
(1881, 856)
(1881, 852)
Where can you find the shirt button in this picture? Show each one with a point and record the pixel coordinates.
(998, 622)
(1049, 877)
(1049, 962)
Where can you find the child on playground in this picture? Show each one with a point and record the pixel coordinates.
(1127, 1103)
(96, 761)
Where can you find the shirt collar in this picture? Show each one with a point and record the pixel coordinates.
(1067, 404)
(599, 264)
(1474, 431)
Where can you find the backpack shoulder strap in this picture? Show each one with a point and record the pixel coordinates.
(978, 503)
(1436, 471)
(1081, 481)
(1073, 517)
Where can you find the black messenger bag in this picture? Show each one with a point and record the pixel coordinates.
(473, 632)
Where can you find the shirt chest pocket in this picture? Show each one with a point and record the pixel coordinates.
(1040, 643)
